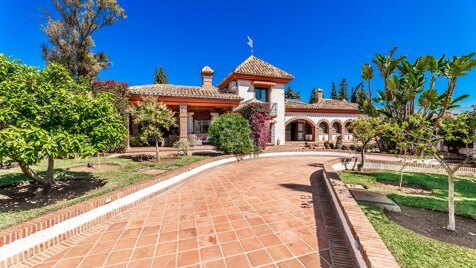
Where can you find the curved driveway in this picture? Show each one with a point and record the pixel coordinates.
(265, 212)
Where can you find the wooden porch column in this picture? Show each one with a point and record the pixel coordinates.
(183, 122)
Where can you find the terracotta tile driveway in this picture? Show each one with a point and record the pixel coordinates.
(267, 212)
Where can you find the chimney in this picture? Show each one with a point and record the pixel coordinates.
(317, 95)
(320, 95)
(207, 75)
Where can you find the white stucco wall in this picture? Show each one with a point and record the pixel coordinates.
(277, 96)
(330, 117)
(247, 92)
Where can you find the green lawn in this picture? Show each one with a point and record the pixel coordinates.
(128, 173)
(465, 189)
(415, 250)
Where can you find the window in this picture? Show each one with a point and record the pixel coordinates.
(323, 128)
(201, 125)
(261, 94)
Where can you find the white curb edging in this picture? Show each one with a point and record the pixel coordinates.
(20, 245)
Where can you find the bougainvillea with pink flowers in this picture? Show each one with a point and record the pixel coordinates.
(258, 114)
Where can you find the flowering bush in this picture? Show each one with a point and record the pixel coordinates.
(258, 115)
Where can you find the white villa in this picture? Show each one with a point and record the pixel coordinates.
(253, 80)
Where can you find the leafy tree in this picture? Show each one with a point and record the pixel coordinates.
(314, 96)
(367, 75)
(343, 94)
(387, 65)
(291, 94)
(364, 130)
(46, 114)
(427, 138)
(70, 34)
(153, 118)
(230, 133)
(334, 92)
(121, 100)
(160, 76)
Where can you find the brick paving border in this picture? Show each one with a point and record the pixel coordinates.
(369, 241)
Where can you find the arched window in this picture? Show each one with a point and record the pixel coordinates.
(323, 129)
(336, 129)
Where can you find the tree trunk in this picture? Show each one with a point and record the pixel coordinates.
(46, 182)
(451, 203)
(157, 158)
(362, 155)
(370, 92)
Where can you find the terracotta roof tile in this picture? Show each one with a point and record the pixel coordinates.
(327, 104)
(168, 90)
(258, 67)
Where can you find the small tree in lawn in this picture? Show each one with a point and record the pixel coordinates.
(230, 133)
(364, 130)
(46, 114)
(153, 118)
(428, 138)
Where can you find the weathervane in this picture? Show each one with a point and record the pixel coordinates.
(250, 43)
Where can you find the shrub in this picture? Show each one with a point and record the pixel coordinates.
(120, 100)
(230, 133)
(331, 145)
(182, 146)
(344, 147)
(258, 115)
(339, 142)
(326, 145)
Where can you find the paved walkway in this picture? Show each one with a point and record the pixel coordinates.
(264, 213)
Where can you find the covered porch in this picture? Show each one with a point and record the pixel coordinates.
(193, 119)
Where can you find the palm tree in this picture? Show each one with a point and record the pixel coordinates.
(387, 65)
(452, 70)
(367, 75)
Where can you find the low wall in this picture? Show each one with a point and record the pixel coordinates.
(368, 248)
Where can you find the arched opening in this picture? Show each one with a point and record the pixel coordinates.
(336, 130)
(323, 131)
(300, 130)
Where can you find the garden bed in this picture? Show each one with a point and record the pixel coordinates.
(433, 224)
(21, 200)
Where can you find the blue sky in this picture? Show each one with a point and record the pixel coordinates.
(317, 41)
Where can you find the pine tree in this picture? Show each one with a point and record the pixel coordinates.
(343, 95)
(314, 98)
(160, 76)
(334, 92)
(291, 94)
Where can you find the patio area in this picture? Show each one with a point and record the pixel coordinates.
(269, 212)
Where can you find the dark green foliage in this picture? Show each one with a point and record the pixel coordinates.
(343, 94)
(358, 94)
(334, 95)
(121, 100)
(46, 114)
(230, 133)
(160, 76)
(291, 94)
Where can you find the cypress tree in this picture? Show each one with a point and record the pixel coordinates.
(291, 94)
(163, 76)
(334, 92)
(343, 95)
(160, 76)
